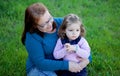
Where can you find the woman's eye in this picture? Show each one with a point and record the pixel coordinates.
(41, 26)
(70, 30)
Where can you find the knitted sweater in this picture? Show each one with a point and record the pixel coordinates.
(40, 51)
(82, 49)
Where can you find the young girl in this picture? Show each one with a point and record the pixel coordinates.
(72, 46)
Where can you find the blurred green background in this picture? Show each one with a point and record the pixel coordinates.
(101, 20)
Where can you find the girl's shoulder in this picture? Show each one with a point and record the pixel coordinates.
(82, 40)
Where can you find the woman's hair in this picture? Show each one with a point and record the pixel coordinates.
(32, 16)
(68, 20)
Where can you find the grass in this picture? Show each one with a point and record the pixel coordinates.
(100, 17)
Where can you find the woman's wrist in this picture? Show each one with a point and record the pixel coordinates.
(84, 63)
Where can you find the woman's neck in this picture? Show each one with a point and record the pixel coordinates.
(52, 31)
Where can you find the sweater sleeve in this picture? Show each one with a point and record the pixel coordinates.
(59, 21)
(83, 48)
(37, 56)
(59, 51)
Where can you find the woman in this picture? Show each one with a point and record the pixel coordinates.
(39, 38)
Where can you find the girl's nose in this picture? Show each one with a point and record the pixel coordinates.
(73, 32)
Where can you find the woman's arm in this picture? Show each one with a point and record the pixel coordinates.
(37, 56)
(83, 63)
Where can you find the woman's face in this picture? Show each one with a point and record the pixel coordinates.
(45, 23)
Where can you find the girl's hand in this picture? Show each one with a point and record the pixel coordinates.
(69, 48)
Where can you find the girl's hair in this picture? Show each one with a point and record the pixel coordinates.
(68, 20)
(33, 13)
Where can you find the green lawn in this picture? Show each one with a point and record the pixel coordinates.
(100, 17)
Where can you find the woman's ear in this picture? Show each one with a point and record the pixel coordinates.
(35, 26)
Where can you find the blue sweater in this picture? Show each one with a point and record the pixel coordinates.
(40, 51)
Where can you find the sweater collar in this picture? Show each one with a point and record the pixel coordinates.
(66, 40)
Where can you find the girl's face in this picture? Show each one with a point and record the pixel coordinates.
(73, 31)
(45, 23)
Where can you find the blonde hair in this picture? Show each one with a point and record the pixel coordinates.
(68, 20)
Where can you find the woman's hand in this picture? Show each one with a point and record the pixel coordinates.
(77, 67)
(83, 63)
(74, 67)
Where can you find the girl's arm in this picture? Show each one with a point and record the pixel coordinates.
(83, 48)
(59, 51)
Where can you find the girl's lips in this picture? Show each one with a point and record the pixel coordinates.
(73, 36)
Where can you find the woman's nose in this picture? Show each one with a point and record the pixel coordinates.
(49, 24)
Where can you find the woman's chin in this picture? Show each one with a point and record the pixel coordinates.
(50, 30)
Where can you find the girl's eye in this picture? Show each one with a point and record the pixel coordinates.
(77, 30)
